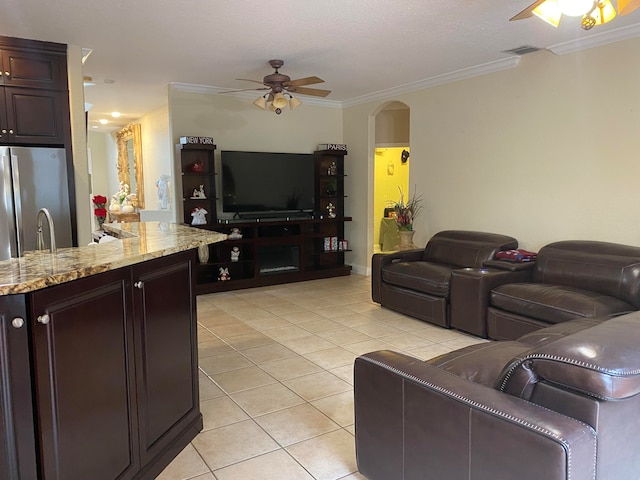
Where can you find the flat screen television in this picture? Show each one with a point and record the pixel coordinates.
(267, 184)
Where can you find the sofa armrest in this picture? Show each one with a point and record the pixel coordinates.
(412, 418)
(379, 260)
(470, 291)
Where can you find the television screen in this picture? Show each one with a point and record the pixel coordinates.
(261, 182)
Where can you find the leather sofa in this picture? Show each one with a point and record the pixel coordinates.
(417, 282)
(560, 403)
(569, 279)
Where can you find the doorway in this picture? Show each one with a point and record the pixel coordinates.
(390, 172)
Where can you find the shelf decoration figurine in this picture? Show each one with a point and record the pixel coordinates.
(331, 210)
(224, 274)
(333, 169)
(235, 254)
(198, 192)
(235, 234)
(199, 215)
(197, 167)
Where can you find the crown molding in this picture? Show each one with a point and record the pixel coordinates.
(306, 99)
(595, 40)
(455, 76)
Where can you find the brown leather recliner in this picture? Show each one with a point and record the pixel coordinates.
(570, 279)
(417, 282)
(560, 403)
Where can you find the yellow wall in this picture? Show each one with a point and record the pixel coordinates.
(386, 191)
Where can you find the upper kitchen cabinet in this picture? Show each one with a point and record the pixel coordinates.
(27, 63)
(34, 97)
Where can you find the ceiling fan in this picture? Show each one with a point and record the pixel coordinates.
(279, 86)
(593, 12)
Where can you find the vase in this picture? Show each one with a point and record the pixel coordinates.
(405, 239)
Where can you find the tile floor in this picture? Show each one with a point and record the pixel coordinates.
(276, 368)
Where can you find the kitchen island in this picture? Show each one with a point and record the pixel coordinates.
(98, 356)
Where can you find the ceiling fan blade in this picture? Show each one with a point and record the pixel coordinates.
(249, 80)
(527, 12)
(246, 90)
(304, 81)
(316, 92)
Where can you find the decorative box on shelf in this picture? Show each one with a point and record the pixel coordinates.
(197, 140)
(333, 146)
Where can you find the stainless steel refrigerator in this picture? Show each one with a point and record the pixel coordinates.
(32, 178)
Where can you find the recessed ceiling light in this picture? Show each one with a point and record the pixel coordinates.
(103, 121)
(115, 114)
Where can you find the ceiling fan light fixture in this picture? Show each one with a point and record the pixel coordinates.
(549, 12)
(294, 102)
(575, 8)
(603, 12)
(627, 6)
(261, 102)
(279, 100)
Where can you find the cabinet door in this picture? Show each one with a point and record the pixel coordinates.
(17, 442)
(34, 69)
(164, 304)
(35, 116)
(82, 334)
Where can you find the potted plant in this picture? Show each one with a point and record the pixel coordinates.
(405, 213)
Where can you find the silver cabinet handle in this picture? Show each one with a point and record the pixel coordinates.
(139, 285)
(17, 322)
(43, 319)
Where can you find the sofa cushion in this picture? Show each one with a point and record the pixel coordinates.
(484, 363)
(555, 303)
(608, 268)
(424, 277)
(466, 248)
(584, 362)
(555, 332)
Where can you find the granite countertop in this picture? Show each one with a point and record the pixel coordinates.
(136, 242)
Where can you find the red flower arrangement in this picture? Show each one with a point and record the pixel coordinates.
(100, 209)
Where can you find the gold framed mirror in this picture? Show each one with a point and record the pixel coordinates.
(129, 142)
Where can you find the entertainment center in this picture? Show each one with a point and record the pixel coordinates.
(283, 214)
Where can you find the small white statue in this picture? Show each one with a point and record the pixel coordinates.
(331, 210)
(198, 192)
(235, 254)
(235, 234)
(199, 215)
(164, 193)
(114, 206)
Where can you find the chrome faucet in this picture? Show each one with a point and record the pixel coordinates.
(52, 233)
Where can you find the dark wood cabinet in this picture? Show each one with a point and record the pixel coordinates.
(101, 382)
(272, 252)
(167, 362)
(279, 250)
(34, 96)
(84, 371)
(33, 116)
(17, 438)
(31, 66)
(198, 174)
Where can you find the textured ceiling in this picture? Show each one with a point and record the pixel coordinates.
(359, 47)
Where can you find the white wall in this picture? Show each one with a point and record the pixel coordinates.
(157, 155)
(545, 151)
(236, 124)
(84, 211)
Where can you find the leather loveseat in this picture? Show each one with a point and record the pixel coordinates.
(560, 403)
(417, 282)
(569, 279)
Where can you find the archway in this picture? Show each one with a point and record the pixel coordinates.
(391, 166)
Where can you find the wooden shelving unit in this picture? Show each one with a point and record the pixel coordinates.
(270, 251)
